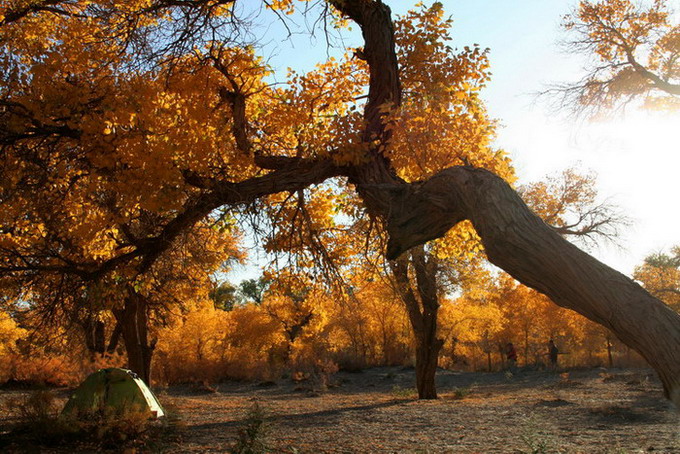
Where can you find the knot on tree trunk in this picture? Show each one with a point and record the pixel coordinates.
(426, 210)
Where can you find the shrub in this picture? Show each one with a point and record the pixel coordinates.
(460, 393)
(36, 414)
(44, 370)
(534, 436)
(404, 393)
(252, 436)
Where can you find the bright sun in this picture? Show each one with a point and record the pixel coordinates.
(645, 132)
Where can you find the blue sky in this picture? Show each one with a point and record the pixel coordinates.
(636, 156)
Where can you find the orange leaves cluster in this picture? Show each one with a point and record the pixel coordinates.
(443, 121)
(315, 116)
(97, 147)
(10, 332)
(287, 6)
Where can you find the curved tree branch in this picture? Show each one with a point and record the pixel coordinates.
(291, 175)
(518, 241)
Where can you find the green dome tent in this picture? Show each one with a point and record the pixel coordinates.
(113, 390)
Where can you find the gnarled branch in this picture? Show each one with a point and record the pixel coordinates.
(518, 241)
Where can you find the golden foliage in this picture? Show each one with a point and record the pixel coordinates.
(442, 121)
(634, 47)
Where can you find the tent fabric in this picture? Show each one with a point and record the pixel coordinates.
(115, 390)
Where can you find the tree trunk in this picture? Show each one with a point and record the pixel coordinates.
(95, 338)
(422, 311)
(519, 242)
(526, 347)
(133, 320)
(427, 355)
(115, 338)
(385, 353)
(428, 345)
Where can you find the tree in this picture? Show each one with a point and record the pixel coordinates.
(634, 51)
(569, 203)
(254, 289)
(86, 222)
(224, 296)
(290, 304)
(442, 108)
(182, 127)
(660, 276)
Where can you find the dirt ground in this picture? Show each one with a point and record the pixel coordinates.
(375, 411)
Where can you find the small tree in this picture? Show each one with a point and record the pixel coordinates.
(660, 275)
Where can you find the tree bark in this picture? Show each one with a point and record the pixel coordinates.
(427, 356)
(133, 320)
(518, 241)
(115, 337)
(422, 310)
(95, 340)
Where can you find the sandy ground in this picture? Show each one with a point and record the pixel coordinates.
(375, 411)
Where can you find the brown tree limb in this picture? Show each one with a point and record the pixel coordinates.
(292, 175)
(399, 269)
(15, 14)
(297, 175)
(518, 241)
(384, 93)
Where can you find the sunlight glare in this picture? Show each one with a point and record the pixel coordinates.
(642, 132)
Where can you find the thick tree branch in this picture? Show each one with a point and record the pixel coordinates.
(403, 286)
(384, 93)
(291, 176)
(658, 82)
(297, 175)
(13, 15)
(518, 241)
